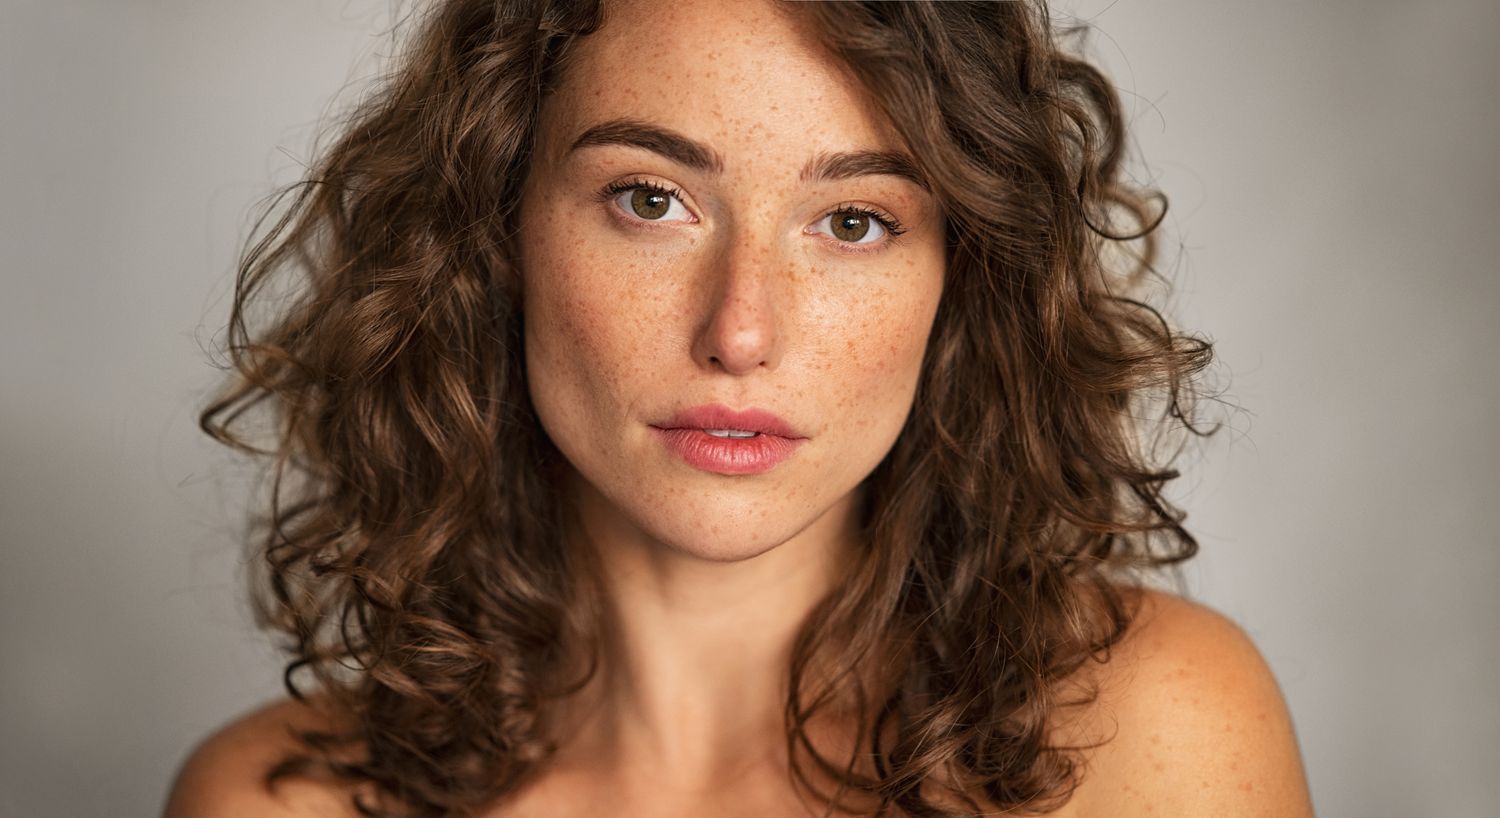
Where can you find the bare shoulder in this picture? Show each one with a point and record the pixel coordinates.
(224, 775)
(1193, 723)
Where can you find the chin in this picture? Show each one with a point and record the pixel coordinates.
(722, 551)
(719, 524)
(721, 543)
(699, 518)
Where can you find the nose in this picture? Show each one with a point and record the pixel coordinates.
(740, 332)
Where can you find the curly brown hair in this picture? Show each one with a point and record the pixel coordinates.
(411, 543)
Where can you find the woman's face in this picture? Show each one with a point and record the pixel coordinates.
(686, 242)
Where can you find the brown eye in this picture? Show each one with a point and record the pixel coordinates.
(850, 226)
(642, 201)
(649, 204)
(858, 229)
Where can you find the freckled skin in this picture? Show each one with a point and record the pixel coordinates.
(727, 299)
(710, 577)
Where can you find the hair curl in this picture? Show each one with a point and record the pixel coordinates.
(410, 548)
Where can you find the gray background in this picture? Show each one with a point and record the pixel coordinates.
(1334, 190)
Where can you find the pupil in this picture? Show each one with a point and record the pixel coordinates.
(852, 222)
(648, 204)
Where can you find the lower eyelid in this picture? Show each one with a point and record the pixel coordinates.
(637, 223)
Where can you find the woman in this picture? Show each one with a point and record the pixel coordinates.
(726, 409)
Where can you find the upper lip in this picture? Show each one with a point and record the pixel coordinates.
(718, 416)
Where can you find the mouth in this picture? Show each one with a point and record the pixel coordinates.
(715, 438)
(721, 422)
(730, 454)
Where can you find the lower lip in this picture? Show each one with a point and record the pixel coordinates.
(728, 455)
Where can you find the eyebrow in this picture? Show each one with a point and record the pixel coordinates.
(697, 156)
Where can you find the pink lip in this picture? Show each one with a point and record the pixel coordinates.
(684, 434)
(718, 416)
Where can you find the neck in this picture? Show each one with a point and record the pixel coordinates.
(695, 651)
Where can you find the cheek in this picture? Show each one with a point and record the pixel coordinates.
(588, 336)
(881, 353)
(567, 338)
(888, 370)
(561, 319)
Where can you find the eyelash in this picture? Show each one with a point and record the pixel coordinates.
(893, 227)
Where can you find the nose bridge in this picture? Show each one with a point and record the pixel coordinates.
(742, 330)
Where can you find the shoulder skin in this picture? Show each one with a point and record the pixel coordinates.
(1192, 720)
(1194, 723)
(223, 776)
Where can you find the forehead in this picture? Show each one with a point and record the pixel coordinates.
(745, 77)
